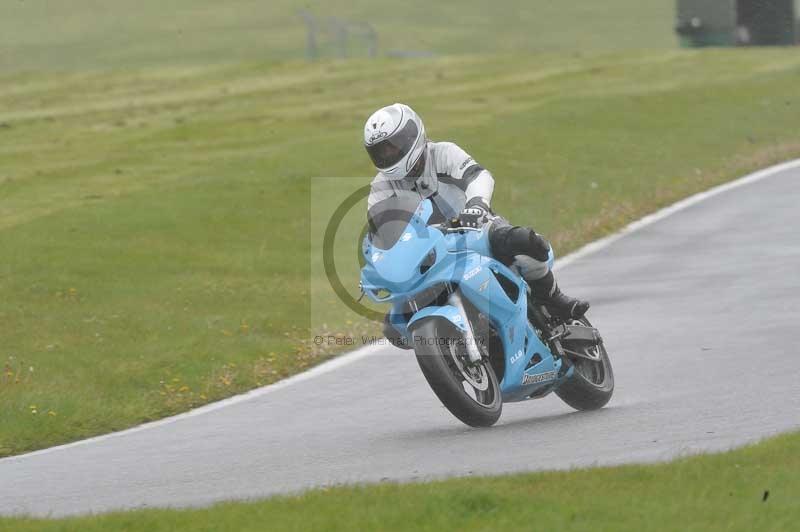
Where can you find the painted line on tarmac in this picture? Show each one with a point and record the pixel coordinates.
(363, 352)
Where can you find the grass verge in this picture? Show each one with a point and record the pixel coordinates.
(754, 488)
(155, 223)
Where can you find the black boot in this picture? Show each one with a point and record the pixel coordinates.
(546, 291)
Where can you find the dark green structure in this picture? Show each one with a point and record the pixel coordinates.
(738, 22)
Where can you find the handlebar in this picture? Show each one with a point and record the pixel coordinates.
(461, 229)
(453, 226)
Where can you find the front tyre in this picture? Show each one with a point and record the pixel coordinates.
(470, 392)
(592, 383)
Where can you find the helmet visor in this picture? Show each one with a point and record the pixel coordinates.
(391, 151)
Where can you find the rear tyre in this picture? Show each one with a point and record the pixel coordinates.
(469, 392)
(592, 383)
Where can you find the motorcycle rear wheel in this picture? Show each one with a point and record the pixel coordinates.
(470, 392)
(592, 383)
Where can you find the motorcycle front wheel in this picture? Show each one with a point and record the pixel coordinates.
(470, 392)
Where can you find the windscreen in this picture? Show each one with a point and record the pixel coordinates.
(388, 219)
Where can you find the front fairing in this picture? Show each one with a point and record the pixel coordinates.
(397, 270)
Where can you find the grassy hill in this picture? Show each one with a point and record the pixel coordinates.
(83, 34)
(155, 223)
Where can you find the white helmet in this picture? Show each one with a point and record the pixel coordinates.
(394, 137)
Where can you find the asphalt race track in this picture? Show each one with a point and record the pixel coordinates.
(700, 312)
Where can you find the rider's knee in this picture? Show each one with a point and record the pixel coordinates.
(539, 246)
(508, 241)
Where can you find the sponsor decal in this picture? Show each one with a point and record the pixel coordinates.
(472, 273)
(483, 286)
(377, 135)
(516, 357)
(541, 377)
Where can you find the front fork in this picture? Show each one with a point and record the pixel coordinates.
(469, 336)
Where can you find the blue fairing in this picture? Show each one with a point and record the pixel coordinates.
(448, 312)
(426, 259)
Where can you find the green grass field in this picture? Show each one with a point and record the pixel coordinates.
(82, 34)
(754, 488)
(155, 222)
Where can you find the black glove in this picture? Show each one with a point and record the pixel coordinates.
(474, 213)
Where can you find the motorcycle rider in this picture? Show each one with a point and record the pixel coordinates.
(408, 162)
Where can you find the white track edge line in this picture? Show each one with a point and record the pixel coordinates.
(669, 210)
(363, 352)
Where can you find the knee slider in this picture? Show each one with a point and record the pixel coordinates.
(525, 241)
(540, 248)
(508, 241)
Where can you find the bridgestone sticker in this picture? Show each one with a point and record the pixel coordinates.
(541, 377)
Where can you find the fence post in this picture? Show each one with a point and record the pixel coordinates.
(341, 34)
(312, 51)
(371, 37)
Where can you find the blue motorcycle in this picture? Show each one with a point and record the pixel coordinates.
(479, 337)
